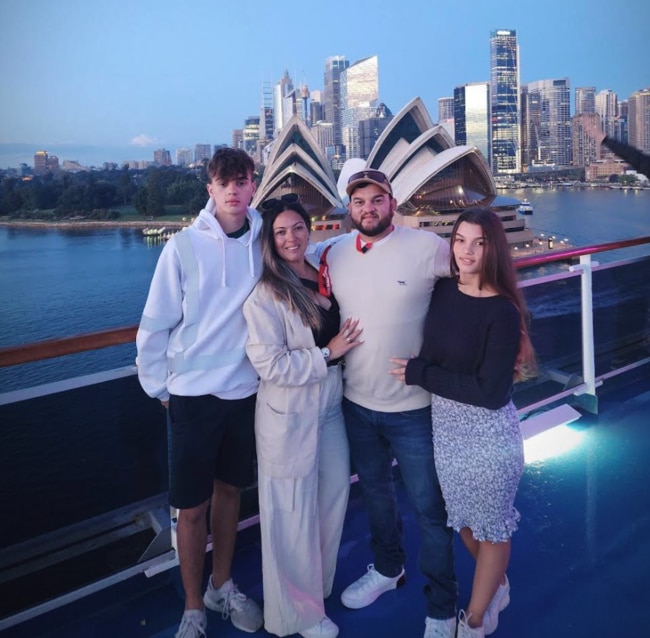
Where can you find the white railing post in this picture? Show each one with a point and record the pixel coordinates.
(589, 400)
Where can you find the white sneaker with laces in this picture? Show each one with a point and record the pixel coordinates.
(369, 587)
(499, 602)
(436, 628)
(464, 630)
(243, 612)
(193, 624)
(324, 629)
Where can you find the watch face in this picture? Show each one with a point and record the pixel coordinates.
(326, 353)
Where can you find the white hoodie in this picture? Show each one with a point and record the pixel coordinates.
(192, 335)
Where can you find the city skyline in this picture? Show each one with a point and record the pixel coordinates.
(140, 76)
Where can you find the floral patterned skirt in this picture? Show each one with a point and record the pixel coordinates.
(479, 460)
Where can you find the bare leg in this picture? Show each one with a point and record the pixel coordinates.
(224, 517)
(192, 535)
(491, 564)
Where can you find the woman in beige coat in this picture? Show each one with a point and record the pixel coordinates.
(296, 342)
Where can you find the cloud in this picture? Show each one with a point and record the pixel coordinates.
(143, 140)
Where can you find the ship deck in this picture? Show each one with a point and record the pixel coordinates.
(579, 562)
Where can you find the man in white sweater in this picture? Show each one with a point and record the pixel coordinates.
(384, 275)
(191, 356)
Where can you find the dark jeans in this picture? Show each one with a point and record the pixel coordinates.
(375, 438)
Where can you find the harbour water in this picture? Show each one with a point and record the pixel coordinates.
(62, 282)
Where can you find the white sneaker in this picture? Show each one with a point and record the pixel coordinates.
(369, 587)
(464, 630)
(193, 624)
(324, 629)
(243, 612)
(499, 602)
(436, 628)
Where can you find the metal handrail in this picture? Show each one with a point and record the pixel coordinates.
(49, 349)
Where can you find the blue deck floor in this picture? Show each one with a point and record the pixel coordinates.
(579, 564)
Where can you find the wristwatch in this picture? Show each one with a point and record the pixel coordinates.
(326, 354)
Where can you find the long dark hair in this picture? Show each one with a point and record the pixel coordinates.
(498, 273)
(277, 275)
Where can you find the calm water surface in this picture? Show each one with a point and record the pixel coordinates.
(56, 283)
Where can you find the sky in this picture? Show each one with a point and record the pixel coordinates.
(112, 81)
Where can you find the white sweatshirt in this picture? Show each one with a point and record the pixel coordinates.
(192, 335)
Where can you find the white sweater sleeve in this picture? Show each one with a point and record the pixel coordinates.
(163, 311)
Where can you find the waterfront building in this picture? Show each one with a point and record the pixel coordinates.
(504, 102)
(471, 116)
(201, 152)
(183, 156)
(547, 123)
(162, 157)
(372, 128)
(622, 120)
(434, 180)
(359, 85)
(334, 66)
(297, 164)
(639, 120)
(282, 88)
(586, 150)
(607, 109)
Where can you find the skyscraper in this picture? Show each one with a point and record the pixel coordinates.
(251, 133)
(471, 116)
(548, 124)
(359, 99)
(372, 128)
(638, 113)
(585, 99)
(266, 114)
(504, 102)
(334, 66)
(607, 108)
(281, 90)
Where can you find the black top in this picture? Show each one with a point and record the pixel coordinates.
(331, 320)
(637, 159)
(470, 347)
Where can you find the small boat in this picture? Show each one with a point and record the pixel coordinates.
(525, 207)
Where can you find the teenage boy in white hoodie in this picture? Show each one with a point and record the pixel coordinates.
(191, 356)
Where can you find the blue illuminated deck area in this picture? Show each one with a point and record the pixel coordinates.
(579, 563)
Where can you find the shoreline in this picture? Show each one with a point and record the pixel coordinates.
(92, 223)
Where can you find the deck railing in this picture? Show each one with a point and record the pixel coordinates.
(580, 346)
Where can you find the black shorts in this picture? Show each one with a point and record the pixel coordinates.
(209, 438)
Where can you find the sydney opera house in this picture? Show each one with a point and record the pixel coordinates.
(433, 179)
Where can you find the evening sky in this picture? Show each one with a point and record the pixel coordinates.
(111, 81)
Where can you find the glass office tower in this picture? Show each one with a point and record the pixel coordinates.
(472, 116)
(504, 102)
(359, 100)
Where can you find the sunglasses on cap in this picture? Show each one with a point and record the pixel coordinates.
(369, 177)
(277, 203)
